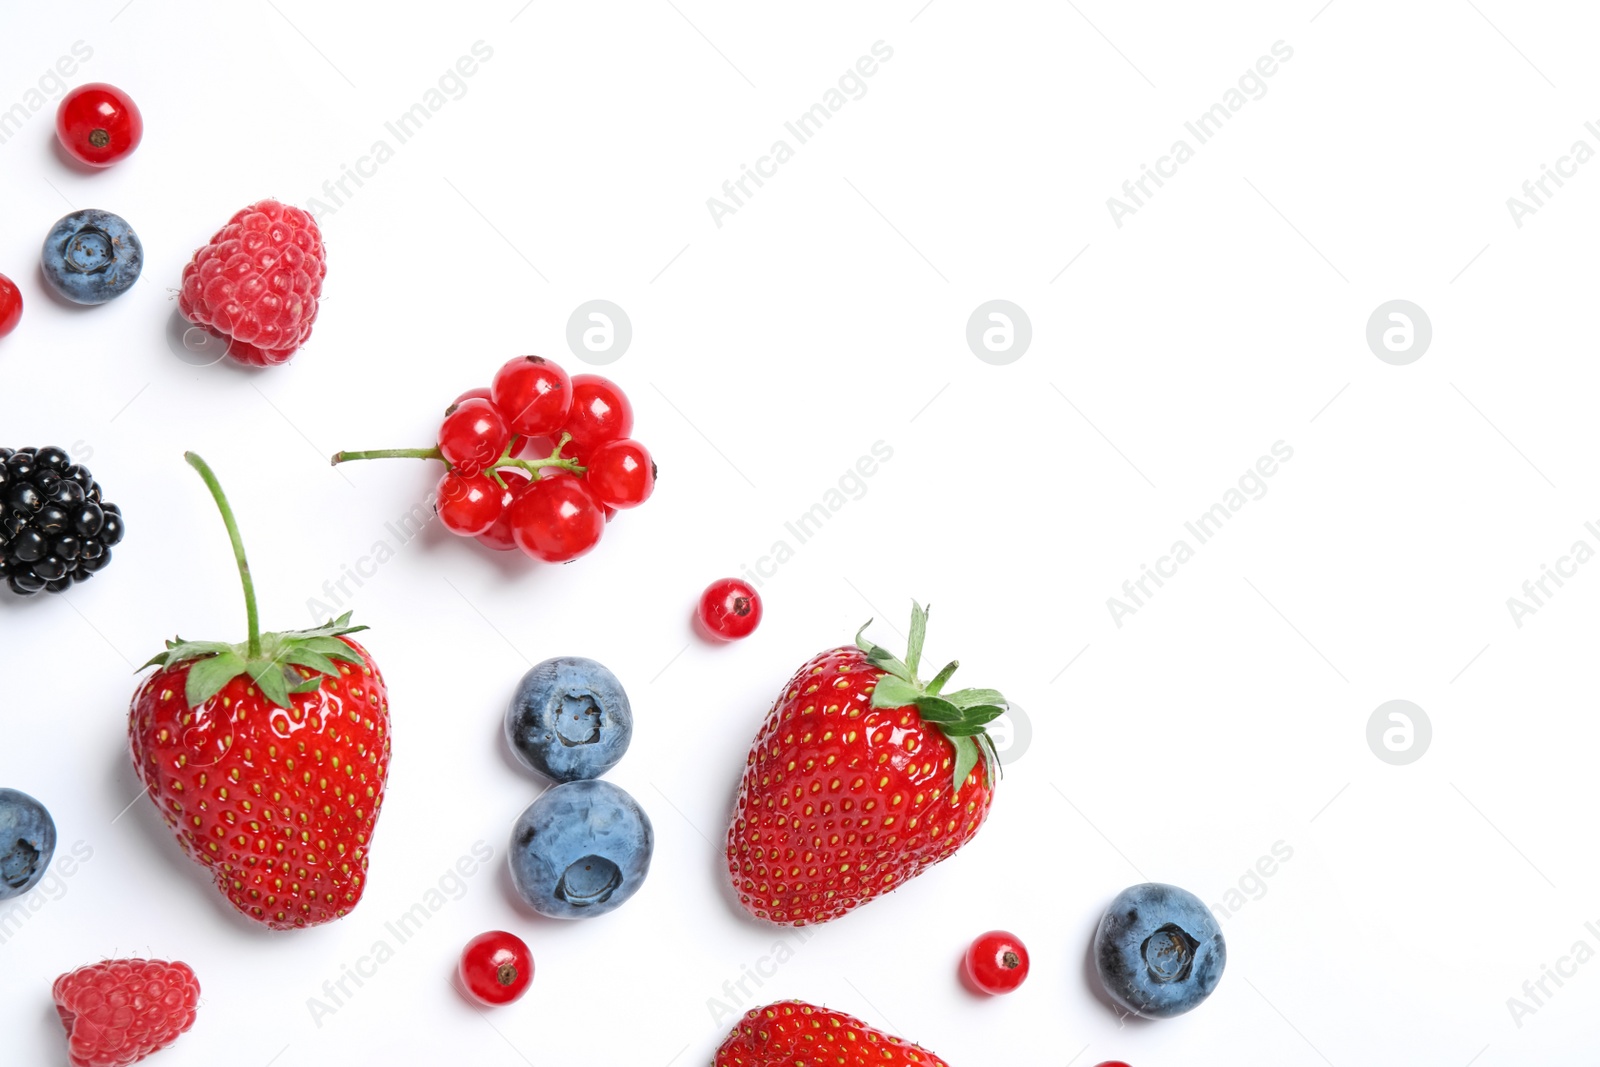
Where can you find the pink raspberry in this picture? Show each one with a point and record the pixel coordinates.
(255, 284)
(120, 1011)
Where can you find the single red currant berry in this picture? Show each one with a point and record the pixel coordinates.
(997, 962)
(469, 504)
(498, 536)
(729, 609)
(473, 436)
(621, 473)
(480, 393)
(99, 124)
(10, 305)
(557, 520)
(533, 394)
(600, 412)
(1111, 1063)
(496, 968)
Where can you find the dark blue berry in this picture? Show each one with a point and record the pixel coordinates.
(27, 842)
(581, 850)
(91, 256)
(569, 719)
(1159, 950)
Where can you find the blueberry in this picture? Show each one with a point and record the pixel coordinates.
(91, 256)
(569, 719)
(1159, 950)
(27, 841)
(581, 850)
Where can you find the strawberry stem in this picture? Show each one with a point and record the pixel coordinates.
(254, 620)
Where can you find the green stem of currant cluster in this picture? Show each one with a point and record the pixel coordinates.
(532, 466)
(254, 619)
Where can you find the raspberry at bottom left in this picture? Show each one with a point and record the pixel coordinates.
(119, 1011)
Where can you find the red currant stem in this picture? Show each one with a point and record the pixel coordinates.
(388, 453)
(533, 465)
(253, 650)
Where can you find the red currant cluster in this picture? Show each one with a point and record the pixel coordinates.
(538, 461)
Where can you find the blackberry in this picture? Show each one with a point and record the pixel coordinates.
(55, 526)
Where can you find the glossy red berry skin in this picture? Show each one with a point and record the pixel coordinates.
(533, 394)
(997, 962)
(1111, 1063)
(498, 535)
(621, 473)
(473, 435)
(10, 305)
(557, 519)
(469, 505)
(496, 968)
(99, 124)
(600, 413)
(729, 609)
(480, 393)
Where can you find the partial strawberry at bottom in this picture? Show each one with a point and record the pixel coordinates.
(120, 1011)
(268, 759)
(796, 1034)
(861, 778)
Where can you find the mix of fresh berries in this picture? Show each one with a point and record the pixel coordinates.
(728, 610)
(268, 759)
(796, 1034)
(537, 461)
(27, 842)
(861, 778)
(120, 1011)
(56, 527)
(91, 256)
(996, 963)
(1159, 951)
(582, 849)
(496, 968)
(570, 719)
(99, 124)
(10, 305)
(257, 282)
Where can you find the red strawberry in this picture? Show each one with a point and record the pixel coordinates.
(120, 1011)
(796, 1033)
(268, 759)
(256, 283)
(862, 778)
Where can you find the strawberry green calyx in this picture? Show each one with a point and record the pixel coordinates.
(268, 659)
(961, 716)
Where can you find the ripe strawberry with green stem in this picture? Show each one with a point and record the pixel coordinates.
(861, 778)
(268, 759)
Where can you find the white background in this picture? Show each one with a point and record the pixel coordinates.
(829, 313)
